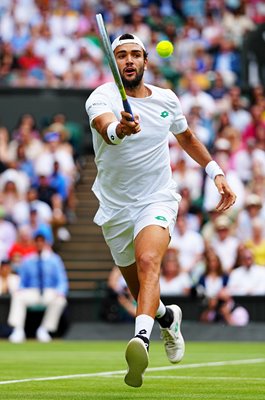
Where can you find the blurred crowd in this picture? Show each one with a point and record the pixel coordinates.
(39, 169)
(55, 43)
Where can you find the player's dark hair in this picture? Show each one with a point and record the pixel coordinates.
(126, 36)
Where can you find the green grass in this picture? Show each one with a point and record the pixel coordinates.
(185, 381)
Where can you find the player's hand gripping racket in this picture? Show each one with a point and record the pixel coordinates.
(112, 63)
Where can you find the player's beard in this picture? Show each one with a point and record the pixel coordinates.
(133, 83)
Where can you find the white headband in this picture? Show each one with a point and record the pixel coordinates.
(117, 42)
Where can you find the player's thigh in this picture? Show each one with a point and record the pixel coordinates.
(119, 238)
(153, 228)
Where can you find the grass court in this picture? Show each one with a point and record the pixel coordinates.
(94, 370)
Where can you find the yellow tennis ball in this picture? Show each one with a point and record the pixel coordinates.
(164, 48)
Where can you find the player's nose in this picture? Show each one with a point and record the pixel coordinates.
(129, 59)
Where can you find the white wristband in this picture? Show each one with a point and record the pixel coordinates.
(111, 132)
(212, 169)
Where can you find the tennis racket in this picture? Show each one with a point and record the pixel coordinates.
(112, 62)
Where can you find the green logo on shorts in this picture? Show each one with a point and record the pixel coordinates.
(161, 218)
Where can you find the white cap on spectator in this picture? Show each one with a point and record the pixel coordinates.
(222, 144)
(222, 222)
(117, 42)
(253, 200)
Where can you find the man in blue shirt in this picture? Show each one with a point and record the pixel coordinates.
(43, 281)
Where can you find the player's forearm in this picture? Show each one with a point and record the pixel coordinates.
(195, 149)
(102, 123)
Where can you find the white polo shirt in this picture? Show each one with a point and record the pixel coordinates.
(140, 166)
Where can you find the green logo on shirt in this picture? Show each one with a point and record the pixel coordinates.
(164, 114)
(161, 218)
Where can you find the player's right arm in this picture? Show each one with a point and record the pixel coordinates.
(99, 107)
(125, 127)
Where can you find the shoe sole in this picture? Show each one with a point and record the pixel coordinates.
(137, 359)
(177, 309)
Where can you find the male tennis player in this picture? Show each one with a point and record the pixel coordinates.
(138, 202)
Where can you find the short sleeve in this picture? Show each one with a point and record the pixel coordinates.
(97, 103)
(179, 123)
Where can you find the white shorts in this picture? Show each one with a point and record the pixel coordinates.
(121, 230)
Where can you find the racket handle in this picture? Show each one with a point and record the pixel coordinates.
(127, 108)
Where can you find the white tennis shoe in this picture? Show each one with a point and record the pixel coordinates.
(17, 336)
(172, 337)
(137, 359)
(42, 335)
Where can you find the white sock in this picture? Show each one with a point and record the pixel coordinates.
(144, 325)
(161, 310)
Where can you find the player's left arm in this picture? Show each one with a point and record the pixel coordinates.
(196, 150)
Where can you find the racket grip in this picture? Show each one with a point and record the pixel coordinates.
(127, 108)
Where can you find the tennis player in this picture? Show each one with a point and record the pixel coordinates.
(138, 202)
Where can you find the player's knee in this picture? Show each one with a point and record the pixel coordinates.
(148, 264)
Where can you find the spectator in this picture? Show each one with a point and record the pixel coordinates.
(26, 120)
(210, 285)
(248, 279)
(208, 229)
(19, 179)
(257, 242)
(55, 150)
(43, 282)
(257, 120)
(8, 62)
(213, 280)
(173, 281)
(219, 92)
(46, 192)
(22, 163)
(9, 196)
(190, 247)
(59, 182)
(225, 243)
(25, 135)
(21, 211)
(239, 117)
(29, 61)
(196, 96)
(232, 313)
(218, 304)
(9, 281)
(37, 224)
(20, 38)
(247, 159)
(190, 178)
(119, 304)
(59, 64)
(236, 23)
(253, 209)
(4, 137)
(201, 125)
(8, 234)
(227, 62)
(23, 246)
